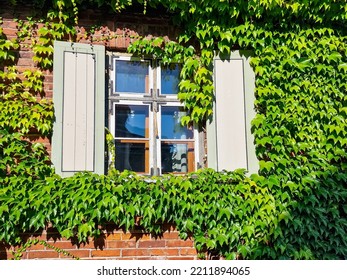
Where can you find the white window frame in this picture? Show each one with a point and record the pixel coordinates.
(112, 126)
(168, 96)
(195, 139)
(113, 75)
(153, 98)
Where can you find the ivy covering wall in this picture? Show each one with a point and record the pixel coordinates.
(294, 208)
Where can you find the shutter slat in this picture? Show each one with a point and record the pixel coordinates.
(69, 105)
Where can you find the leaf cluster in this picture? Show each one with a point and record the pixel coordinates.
(21, 109)
(207, 205)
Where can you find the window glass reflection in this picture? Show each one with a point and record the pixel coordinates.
(171, 127)
(132, 76)
(131, 121)
(170, 79)
(176, 157)
(131, 156)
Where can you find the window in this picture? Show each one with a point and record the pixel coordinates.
(145, 118)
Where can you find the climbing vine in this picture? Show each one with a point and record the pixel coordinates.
(294, 208)
(18, 254)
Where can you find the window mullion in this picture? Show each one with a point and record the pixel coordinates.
(155, 128)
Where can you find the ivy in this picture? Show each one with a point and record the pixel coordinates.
(7, 47)
(18, 254)
(294, 208)
(18, 99)
(42, 35)
(79, 205)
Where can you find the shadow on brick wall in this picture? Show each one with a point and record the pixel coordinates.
(4, 251)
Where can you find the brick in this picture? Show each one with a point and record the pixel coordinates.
(10, 255)
(136, 235)
(9, 24)
(120, 244)
(25, 62)
(48, 93)
(100, 241)
(127, 41)
(48, 87)
(48, 79)
(26, 54)
(42, 254)
(9, 32)
(171, 235)
(164, 252)
(188, 252)
(119, 31)
(180, 243)
(120, 43)
(36, 247)
(152, 244)
(106, 253)
(135, 252)
(117, 245)
(62, 244)
(47, 72)
(22, 68)
(112, 43)
(114, 236)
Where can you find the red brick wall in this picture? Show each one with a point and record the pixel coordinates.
(113, 244)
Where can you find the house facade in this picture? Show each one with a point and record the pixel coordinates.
(223, 121)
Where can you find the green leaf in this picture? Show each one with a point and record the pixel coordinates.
(267, 165)
(334, 56)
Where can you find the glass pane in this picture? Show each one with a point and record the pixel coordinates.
(171, 127)
(132, 76)
(131, 156)
(176, 157)
(170, 79)
(131, 121)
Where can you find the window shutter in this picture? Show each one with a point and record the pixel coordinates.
(79, 102)
(230, 142)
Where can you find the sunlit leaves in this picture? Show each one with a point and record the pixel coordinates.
(7, 48)
(21, 108)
